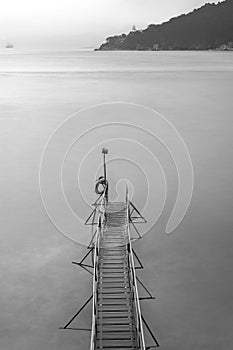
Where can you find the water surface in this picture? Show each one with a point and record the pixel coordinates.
(190, 272)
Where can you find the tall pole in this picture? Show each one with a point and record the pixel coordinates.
(105, 151)
(105, 173)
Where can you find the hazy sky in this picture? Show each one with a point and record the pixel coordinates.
(91, 20)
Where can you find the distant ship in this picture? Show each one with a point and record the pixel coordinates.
(9, 46)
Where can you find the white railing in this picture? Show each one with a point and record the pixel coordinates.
(100, 225)
(132, 274)
(133, 283)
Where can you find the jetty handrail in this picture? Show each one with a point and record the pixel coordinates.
(100, 225)
(133, 284)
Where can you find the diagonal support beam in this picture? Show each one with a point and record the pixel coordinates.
(138, 233)
(97, 200)
(76, 329)
(83, 266)
(91, 241)
(91, 216)
(145, 287)
(77, 313)
(147, 298)
(138, 260)
(85, 256)
(138, 212)
(151, 334)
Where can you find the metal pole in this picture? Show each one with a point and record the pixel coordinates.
(105, 173)
(105, 151)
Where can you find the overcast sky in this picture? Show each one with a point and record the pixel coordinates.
(90, 20)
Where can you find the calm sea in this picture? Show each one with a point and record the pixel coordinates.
(190, 271)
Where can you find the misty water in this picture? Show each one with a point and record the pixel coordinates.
(189, 271)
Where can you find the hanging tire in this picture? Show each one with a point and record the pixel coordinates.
(101, 183)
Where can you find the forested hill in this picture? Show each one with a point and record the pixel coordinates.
(209, 27)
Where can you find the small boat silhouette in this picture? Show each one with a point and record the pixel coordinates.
(9, 46)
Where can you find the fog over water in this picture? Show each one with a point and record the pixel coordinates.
(189, 271)
(73, 24)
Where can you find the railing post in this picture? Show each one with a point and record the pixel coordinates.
(99, 232)
(139, 326)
